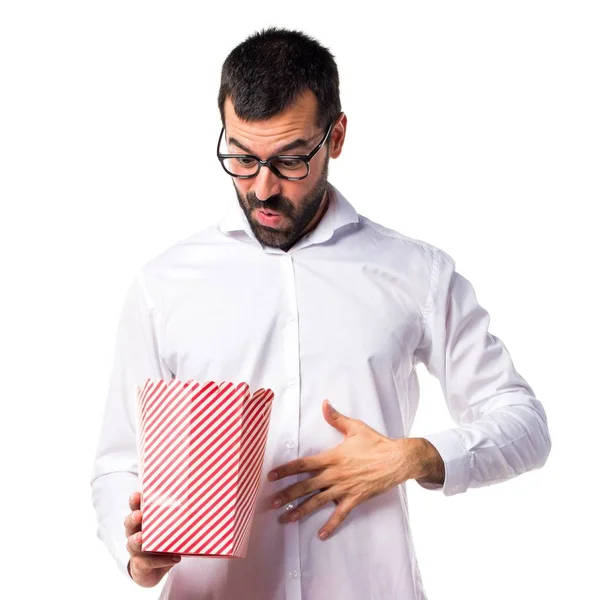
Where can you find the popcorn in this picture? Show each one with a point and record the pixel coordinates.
(201, 449)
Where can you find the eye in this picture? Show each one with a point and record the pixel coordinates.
(246, 161)
(289, 164)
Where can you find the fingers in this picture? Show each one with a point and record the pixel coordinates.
(145, 568)
(134, 544)
(308, 506)
(134, 501)
(148, 560)
(335, 501)
(297, 490)
(133, 522)
(336, 519)
(317, 462)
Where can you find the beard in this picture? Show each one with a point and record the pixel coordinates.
(286, 236)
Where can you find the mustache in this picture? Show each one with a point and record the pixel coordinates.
(276, 203)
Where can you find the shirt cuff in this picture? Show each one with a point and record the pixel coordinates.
(119, 551)
(456, 463)
(111, 493)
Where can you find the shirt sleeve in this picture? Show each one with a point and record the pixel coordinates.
(114, 474)
(502, 428)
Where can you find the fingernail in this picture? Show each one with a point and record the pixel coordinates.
(277, 503)
(272, 476)
(294, 516)
(176, 558)
(323, 534)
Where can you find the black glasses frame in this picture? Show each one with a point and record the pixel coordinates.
(269, 162)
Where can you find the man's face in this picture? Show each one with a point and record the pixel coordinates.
(296, 206)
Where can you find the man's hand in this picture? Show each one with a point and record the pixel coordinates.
(145, 568)
(364, 465)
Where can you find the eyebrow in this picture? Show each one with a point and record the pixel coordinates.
(299, 143)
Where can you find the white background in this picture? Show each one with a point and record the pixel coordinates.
(488, 113)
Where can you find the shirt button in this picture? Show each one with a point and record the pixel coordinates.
(290, 445)
(293, 574)
(289, 506)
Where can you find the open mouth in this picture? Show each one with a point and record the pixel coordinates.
(268, 217)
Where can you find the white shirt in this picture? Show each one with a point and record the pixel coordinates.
(346, 314)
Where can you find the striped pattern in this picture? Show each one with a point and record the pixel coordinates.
(201, 449)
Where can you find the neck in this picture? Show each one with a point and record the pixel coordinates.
(314, 221)
(322, 209)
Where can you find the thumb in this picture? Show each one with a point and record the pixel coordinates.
(336, 419)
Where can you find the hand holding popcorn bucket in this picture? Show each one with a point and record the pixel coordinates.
(201, 449)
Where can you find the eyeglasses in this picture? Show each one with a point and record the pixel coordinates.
(286, 166)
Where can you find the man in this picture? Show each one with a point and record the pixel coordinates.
(293, 290)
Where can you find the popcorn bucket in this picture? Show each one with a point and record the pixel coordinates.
(201, 449)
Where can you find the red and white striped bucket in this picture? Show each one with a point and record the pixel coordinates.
(201, 449)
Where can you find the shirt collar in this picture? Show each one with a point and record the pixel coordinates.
(338, 214)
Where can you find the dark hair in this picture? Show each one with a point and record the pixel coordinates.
(266, 72)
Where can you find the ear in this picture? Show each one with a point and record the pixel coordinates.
(336, 419)
(337, 137)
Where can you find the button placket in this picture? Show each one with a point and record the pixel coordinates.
(291, 343)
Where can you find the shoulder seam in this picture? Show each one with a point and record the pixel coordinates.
(433, 282)
(398, 235)
(150, 304)
(155, 315)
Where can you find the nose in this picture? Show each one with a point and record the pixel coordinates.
(266, 184)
